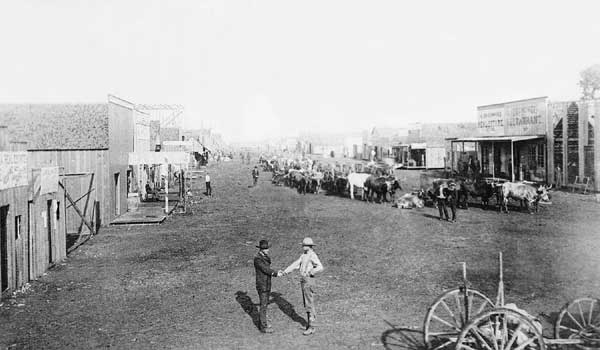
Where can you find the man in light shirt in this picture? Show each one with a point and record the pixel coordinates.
(208, 188)
(309, 265)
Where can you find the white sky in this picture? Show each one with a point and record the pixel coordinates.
(262, 68)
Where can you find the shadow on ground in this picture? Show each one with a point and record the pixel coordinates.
(248, 306)
(402, 339)
(251, 308)
(288, 309)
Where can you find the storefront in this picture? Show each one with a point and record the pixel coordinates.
(511, 142)
(419, 156)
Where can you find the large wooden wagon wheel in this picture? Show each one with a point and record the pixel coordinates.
(501, 329)
(447, 316)
(580, 319)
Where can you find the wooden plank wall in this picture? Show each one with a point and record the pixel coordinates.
(16, 200)
(40, 246)
(80, 161)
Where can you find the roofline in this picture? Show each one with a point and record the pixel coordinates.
(515, 101)
(66, 149)
(119, 101)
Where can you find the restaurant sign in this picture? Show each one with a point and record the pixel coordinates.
(526, 117)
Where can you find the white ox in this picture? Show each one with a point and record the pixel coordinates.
(409, 201)
(357, 180)
(525, 193)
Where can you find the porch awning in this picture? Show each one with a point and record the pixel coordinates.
(497, 138)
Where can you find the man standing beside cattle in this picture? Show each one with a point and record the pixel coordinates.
(452, 197)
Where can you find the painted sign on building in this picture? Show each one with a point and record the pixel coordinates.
(13, 172)
(49, 180)
(525, 117)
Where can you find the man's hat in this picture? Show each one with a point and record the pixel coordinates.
(308, 242)
(263, 244)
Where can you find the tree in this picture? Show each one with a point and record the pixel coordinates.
(590, 81)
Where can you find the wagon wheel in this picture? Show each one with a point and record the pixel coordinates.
(501, 329)
(580, 319)
(446, 316)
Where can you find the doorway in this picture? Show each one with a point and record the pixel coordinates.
(3, 248)
(117, 194)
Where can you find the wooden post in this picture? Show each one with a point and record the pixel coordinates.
(565, 131)
(500, 297)
(582, 133)
(466, 291)
(452, 154)
(493, 161)
(512, 160)
(597, 145)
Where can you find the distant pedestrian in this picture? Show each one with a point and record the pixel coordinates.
(248, 158)
(255, 174)
(309, 265)
(207, 182)
(264, 272)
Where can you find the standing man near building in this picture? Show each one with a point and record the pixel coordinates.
(255, 174)
(452, 200)
(309, 265)
(441, 196)
(207, 182)
(262, 267)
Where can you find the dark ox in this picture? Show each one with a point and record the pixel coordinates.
(340, 184)
(381, 186)
(524, 193)
(298, 181)
(482, 189)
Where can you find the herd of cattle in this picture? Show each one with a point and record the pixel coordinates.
(378, 184)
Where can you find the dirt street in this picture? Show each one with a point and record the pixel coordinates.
(189, 283)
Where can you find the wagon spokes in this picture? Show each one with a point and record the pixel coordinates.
(580, 319)
(500, 329)
(447, 316)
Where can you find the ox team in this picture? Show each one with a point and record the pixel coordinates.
(306, 176)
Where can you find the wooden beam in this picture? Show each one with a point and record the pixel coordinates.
(80, 198)
(87, 200)
(76, 209)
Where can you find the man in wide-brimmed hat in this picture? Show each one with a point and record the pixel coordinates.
(452, 199)
(309, 265)
(264, 272)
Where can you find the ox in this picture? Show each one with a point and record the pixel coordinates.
(298, 181)
(314, 182)
(409, 201)
(381, 186)
(340, 184)
(524, 193)
(357, 180)
(482, 189)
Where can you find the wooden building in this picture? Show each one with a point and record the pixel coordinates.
(32, 229)
(89, 143)
(534, 139)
